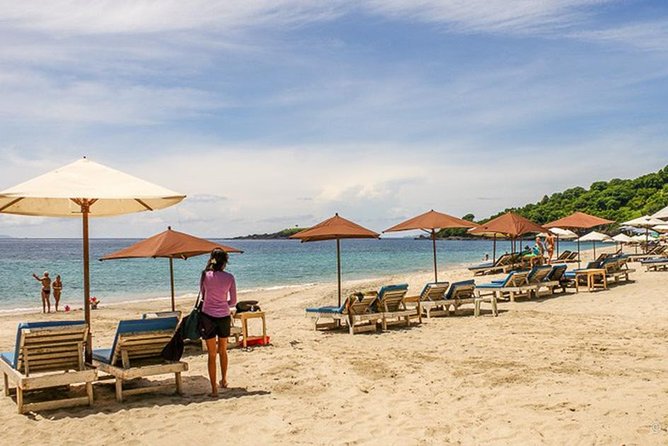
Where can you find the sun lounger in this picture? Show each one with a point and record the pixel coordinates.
(463, 293)
(506, 260)
(513, 285)
(563, 256)
(553, 280)
(573, 257)
(655, 264)
(430, 300)
(135, 353)
(48, 354)
(616, 268)
(355, 312)
(391, 305)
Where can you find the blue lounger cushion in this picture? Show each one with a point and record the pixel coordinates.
(428, 285)
(456, 285)
(329, 309)
(12, 358)
(388, 288)
(663, 260)
(482, 265)
(135, 326)
(497, 284)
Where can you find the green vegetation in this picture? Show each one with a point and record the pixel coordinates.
(285, 233)
(617, 200)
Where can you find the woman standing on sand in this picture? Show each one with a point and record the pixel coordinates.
(219, 293)
(46, 290)
(57, 289)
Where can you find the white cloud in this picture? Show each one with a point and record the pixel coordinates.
(648, 35)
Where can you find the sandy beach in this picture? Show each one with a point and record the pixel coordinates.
(587, 368)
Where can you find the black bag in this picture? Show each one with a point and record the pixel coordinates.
(244, 306)
(191, 322)
(174, 348)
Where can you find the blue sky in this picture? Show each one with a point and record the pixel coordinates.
(274, 113)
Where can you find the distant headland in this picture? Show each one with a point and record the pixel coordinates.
(282, 234)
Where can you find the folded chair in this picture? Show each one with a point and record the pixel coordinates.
(48, 354)
(355, 312)
(135, 353)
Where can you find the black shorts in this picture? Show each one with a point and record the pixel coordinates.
(210, 327)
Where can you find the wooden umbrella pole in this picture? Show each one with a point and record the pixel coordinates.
(171, 280)
(494, 250)
(578, 250)
(338, 267)
(593, 244)
(433, 241)
(85, 209)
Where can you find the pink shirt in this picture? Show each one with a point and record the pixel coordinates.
(216, 287)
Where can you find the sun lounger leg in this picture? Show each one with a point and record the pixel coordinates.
(494, 309)
(476, 311)
(179, 389)
(6, 383)
(19, 398)
(89, 392)
(119, 390)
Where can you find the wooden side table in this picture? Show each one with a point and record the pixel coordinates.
(244, 317)
(591, 275)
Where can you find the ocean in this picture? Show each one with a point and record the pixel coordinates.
(264, 264)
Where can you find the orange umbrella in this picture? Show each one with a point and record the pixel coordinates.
(510, 225)
(578, 220)
(169, 244)
(432, 222)
(335, 228)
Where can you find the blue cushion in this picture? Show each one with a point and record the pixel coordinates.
(456, 285)
(535, 270)
(386, 288)
(8, 357)
(102, 354)
(13, 360)
(143, 326)
(330, 309)
(557, 273)
(430, 284)
(482, 265)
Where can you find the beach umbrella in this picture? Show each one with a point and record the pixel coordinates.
(594, 237)
(509, 225)
(335, 228)
(620, 238)
(661, 228)
(84, 189)
(578, 220)
(647, 222)
(662, 214)
(431, 222)
(172, 245)
(561, 233)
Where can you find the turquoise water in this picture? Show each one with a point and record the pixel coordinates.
(264, 264)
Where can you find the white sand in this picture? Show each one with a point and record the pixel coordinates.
(573, 369)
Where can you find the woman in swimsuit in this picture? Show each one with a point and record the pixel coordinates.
(46, 290)
(57, 289)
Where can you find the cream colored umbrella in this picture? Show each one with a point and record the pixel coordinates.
(647, 222)
(594, 237)
(85, 189)
(662, 214)
(661, 228)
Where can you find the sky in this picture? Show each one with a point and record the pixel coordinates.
(273, 113)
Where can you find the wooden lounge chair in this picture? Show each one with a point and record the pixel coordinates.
(463, 293)
(390, 304)
(660, 264)
(515, 284)
(553, 280)
(493, 267)
(563, 256)
(355, 312)
(430, 300)
(616, 268)
(48, 354)
(573, 257)
(135, 353)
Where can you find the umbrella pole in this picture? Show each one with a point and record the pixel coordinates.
(593, 243)
(171, 280)
(338, 266)
(85, 209)
(494, 250)
(646, 240)
(557, 246)
(433, 241)
(578, 252)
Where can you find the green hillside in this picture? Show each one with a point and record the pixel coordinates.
(617, 200)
